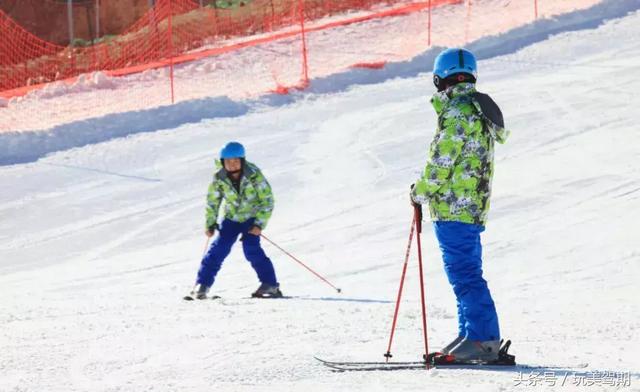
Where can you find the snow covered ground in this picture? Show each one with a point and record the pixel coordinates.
(99, 243)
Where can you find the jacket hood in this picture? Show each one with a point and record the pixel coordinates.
(492, 116)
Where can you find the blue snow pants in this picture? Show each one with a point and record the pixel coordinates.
(462, 256)
(227, 236)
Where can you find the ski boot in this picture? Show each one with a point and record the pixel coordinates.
(470, 352)
(199, 292)
(446, 349)
(267, 291)
(476, 351)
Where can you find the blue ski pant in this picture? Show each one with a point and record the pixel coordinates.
(221, 247)
(462, 256)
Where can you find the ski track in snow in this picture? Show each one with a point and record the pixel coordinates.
(98, 244)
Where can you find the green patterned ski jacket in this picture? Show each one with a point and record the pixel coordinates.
(254, 200)
(456, 182)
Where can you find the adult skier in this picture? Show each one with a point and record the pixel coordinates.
(248, 206)
(456, 184)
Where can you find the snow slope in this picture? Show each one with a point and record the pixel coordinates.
(99, 243)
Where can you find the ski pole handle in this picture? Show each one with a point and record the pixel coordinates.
(417, 209)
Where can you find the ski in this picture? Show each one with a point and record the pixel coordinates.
(422, 366)
(462, 366)
(366, 366)
(411, 365)
(192, 298)
(269, 297)
(505, 361)
(349, 363)
(345, 366)
(435, 358)
(379, 367)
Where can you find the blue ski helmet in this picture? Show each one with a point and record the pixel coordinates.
(455, 60)
(232, 150)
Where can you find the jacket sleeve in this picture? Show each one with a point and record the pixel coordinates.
(265, 202)
(214, 200)
(443, 153)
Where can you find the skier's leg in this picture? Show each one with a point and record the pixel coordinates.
(482, 307)
(259, 261)
(462, 321)
(212, 261)
(462, 255)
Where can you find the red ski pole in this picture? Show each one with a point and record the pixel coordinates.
(418, 221)
(302, 264)
(404, 272)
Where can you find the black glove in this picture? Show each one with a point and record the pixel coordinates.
(413, 203)
(212, 229)
(417, 207)
(251, 228)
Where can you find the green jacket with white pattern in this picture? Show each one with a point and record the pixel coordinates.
(254, 200)
(456, 182)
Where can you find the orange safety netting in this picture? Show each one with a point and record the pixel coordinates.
(179, 52)
(170, 28)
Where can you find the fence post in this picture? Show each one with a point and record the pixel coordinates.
(92, 35)
(273, 15)
(170, 31)
(429, 28)
(94, 52)
(70, 20)
(305, 67)
(97, 10)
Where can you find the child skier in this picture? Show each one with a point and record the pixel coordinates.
(248, 206)
(456, 184)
